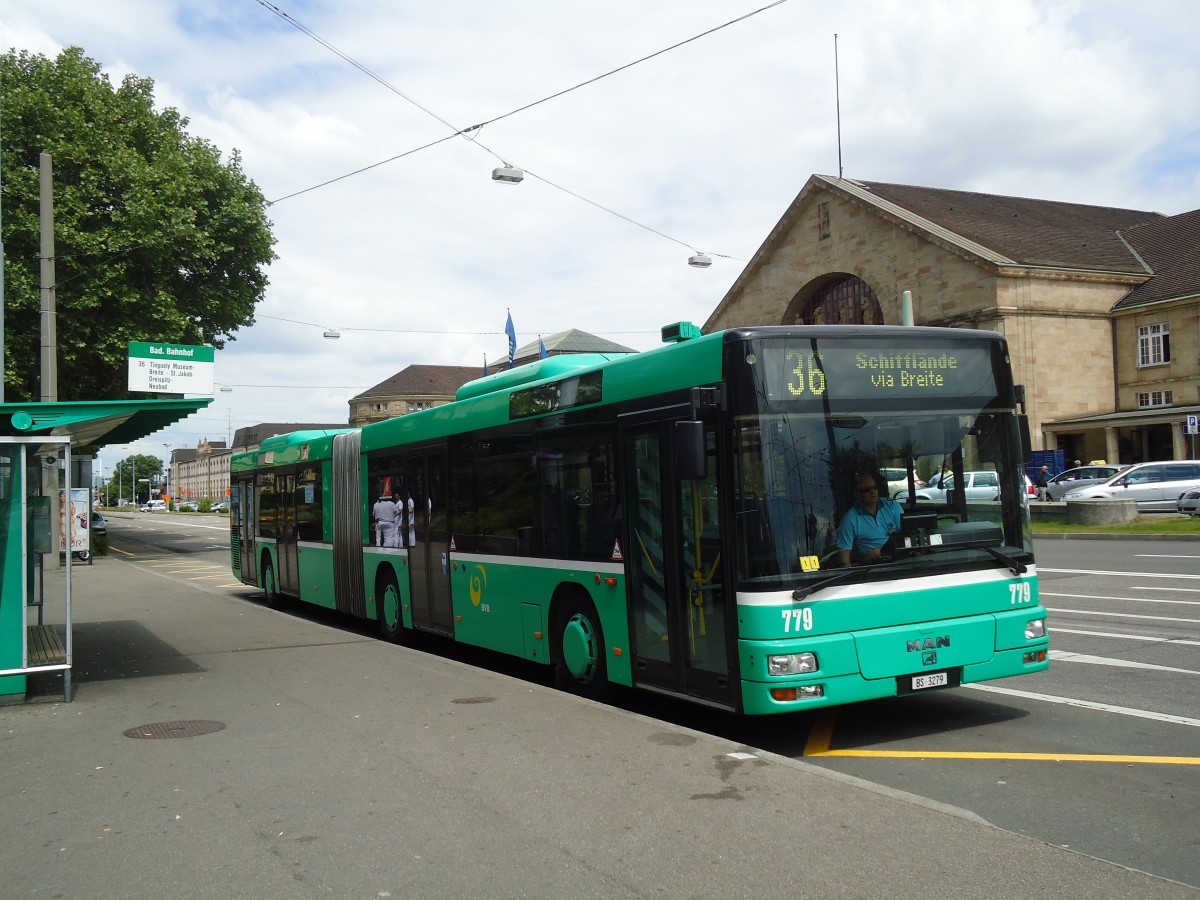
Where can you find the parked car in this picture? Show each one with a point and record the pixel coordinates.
(188, 506)
(98, 526)
(897, 480)
(223, 506)
(1079, 477)
(1154, 485)
(982, 485)
(1188, 502)
(153, 506)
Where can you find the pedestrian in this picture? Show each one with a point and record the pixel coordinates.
(384, 514)
(397, 521)
(1043, 483)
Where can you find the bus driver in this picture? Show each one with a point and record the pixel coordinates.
(868, 524)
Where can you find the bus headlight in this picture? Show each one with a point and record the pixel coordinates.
(792, 664)
(1035, 628)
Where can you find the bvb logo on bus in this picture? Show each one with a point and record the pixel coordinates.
(478, 583)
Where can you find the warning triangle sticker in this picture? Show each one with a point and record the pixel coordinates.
(616, 554)
(452, 542)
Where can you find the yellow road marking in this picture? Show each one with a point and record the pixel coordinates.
(822, 733)
(119, 550)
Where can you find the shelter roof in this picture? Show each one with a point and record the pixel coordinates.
(92, 424)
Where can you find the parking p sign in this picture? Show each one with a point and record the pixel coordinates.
(1193, 426)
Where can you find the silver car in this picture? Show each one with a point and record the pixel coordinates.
(1154, 485)
(982, 485)
(1189, 502)
(1078, 478)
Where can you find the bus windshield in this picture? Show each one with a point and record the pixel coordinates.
(931, 418)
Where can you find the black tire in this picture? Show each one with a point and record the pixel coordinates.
(579, 654)
(271, 585)
(83, 555)
(389, 608)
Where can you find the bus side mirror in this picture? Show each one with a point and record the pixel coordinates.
(691, 458)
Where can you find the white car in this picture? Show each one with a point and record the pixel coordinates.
(153, 506)
(1189, 502)
(982, 485)
(1154, 485)
(897, 481)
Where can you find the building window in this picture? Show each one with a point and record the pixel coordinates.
(1149, 399)
(843, 301)
(1154, 345)
(822, 221)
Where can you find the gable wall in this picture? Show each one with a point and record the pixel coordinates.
(1059, 328)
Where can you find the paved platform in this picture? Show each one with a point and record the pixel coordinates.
(216, 748)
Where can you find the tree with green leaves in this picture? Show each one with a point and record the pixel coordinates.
(156, 238)
(128, 475)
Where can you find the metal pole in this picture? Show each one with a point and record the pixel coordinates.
(1, 290)
(837, 94)
(49, 317)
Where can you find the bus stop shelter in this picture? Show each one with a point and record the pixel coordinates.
(45, 451)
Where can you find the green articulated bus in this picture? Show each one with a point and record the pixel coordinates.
(670, 520)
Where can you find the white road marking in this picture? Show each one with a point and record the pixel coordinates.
(1130, 599)
(1130, 637)
(1096, 612)
(1087, 704)
(1066, 656)
(1122, 574)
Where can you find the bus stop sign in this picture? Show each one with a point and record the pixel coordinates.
(170, 368)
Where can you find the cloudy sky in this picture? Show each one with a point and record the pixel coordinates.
(699, 148)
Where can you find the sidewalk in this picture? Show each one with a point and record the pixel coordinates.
(336, 765)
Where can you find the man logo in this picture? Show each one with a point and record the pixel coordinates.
(929, 644)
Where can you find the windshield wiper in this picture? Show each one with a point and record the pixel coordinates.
(807, 590)
(1017, 568)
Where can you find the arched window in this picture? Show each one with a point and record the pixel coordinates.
(839, 300)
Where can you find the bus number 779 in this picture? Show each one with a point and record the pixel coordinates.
(797, 620)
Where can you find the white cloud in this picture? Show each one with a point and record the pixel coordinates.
(1089, 102)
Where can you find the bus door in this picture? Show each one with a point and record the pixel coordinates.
(429, 553)
(286, 535)
(679, 607)
(242, 520)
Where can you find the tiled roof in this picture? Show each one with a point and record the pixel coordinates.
(1170, 247)
(1027, 231)
(572, 341)
(256, 434)
(443, 381)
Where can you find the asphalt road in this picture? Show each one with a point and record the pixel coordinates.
(1100, 754)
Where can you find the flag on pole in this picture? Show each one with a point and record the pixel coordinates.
(542, 354)
(512, 339)
(485, 364)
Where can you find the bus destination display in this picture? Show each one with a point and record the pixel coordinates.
(844, 373)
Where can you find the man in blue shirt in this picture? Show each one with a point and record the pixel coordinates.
(868, 524)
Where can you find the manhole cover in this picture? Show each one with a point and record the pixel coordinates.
(473, 700)
(191, 728)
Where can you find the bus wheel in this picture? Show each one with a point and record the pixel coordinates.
(391, 619)
(270, 585)
(580, 664)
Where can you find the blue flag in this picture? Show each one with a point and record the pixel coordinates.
(512, 340)
(485, 364)
(542, 354)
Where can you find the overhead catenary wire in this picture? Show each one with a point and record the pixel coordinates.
(465, 132)
(375, 328)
